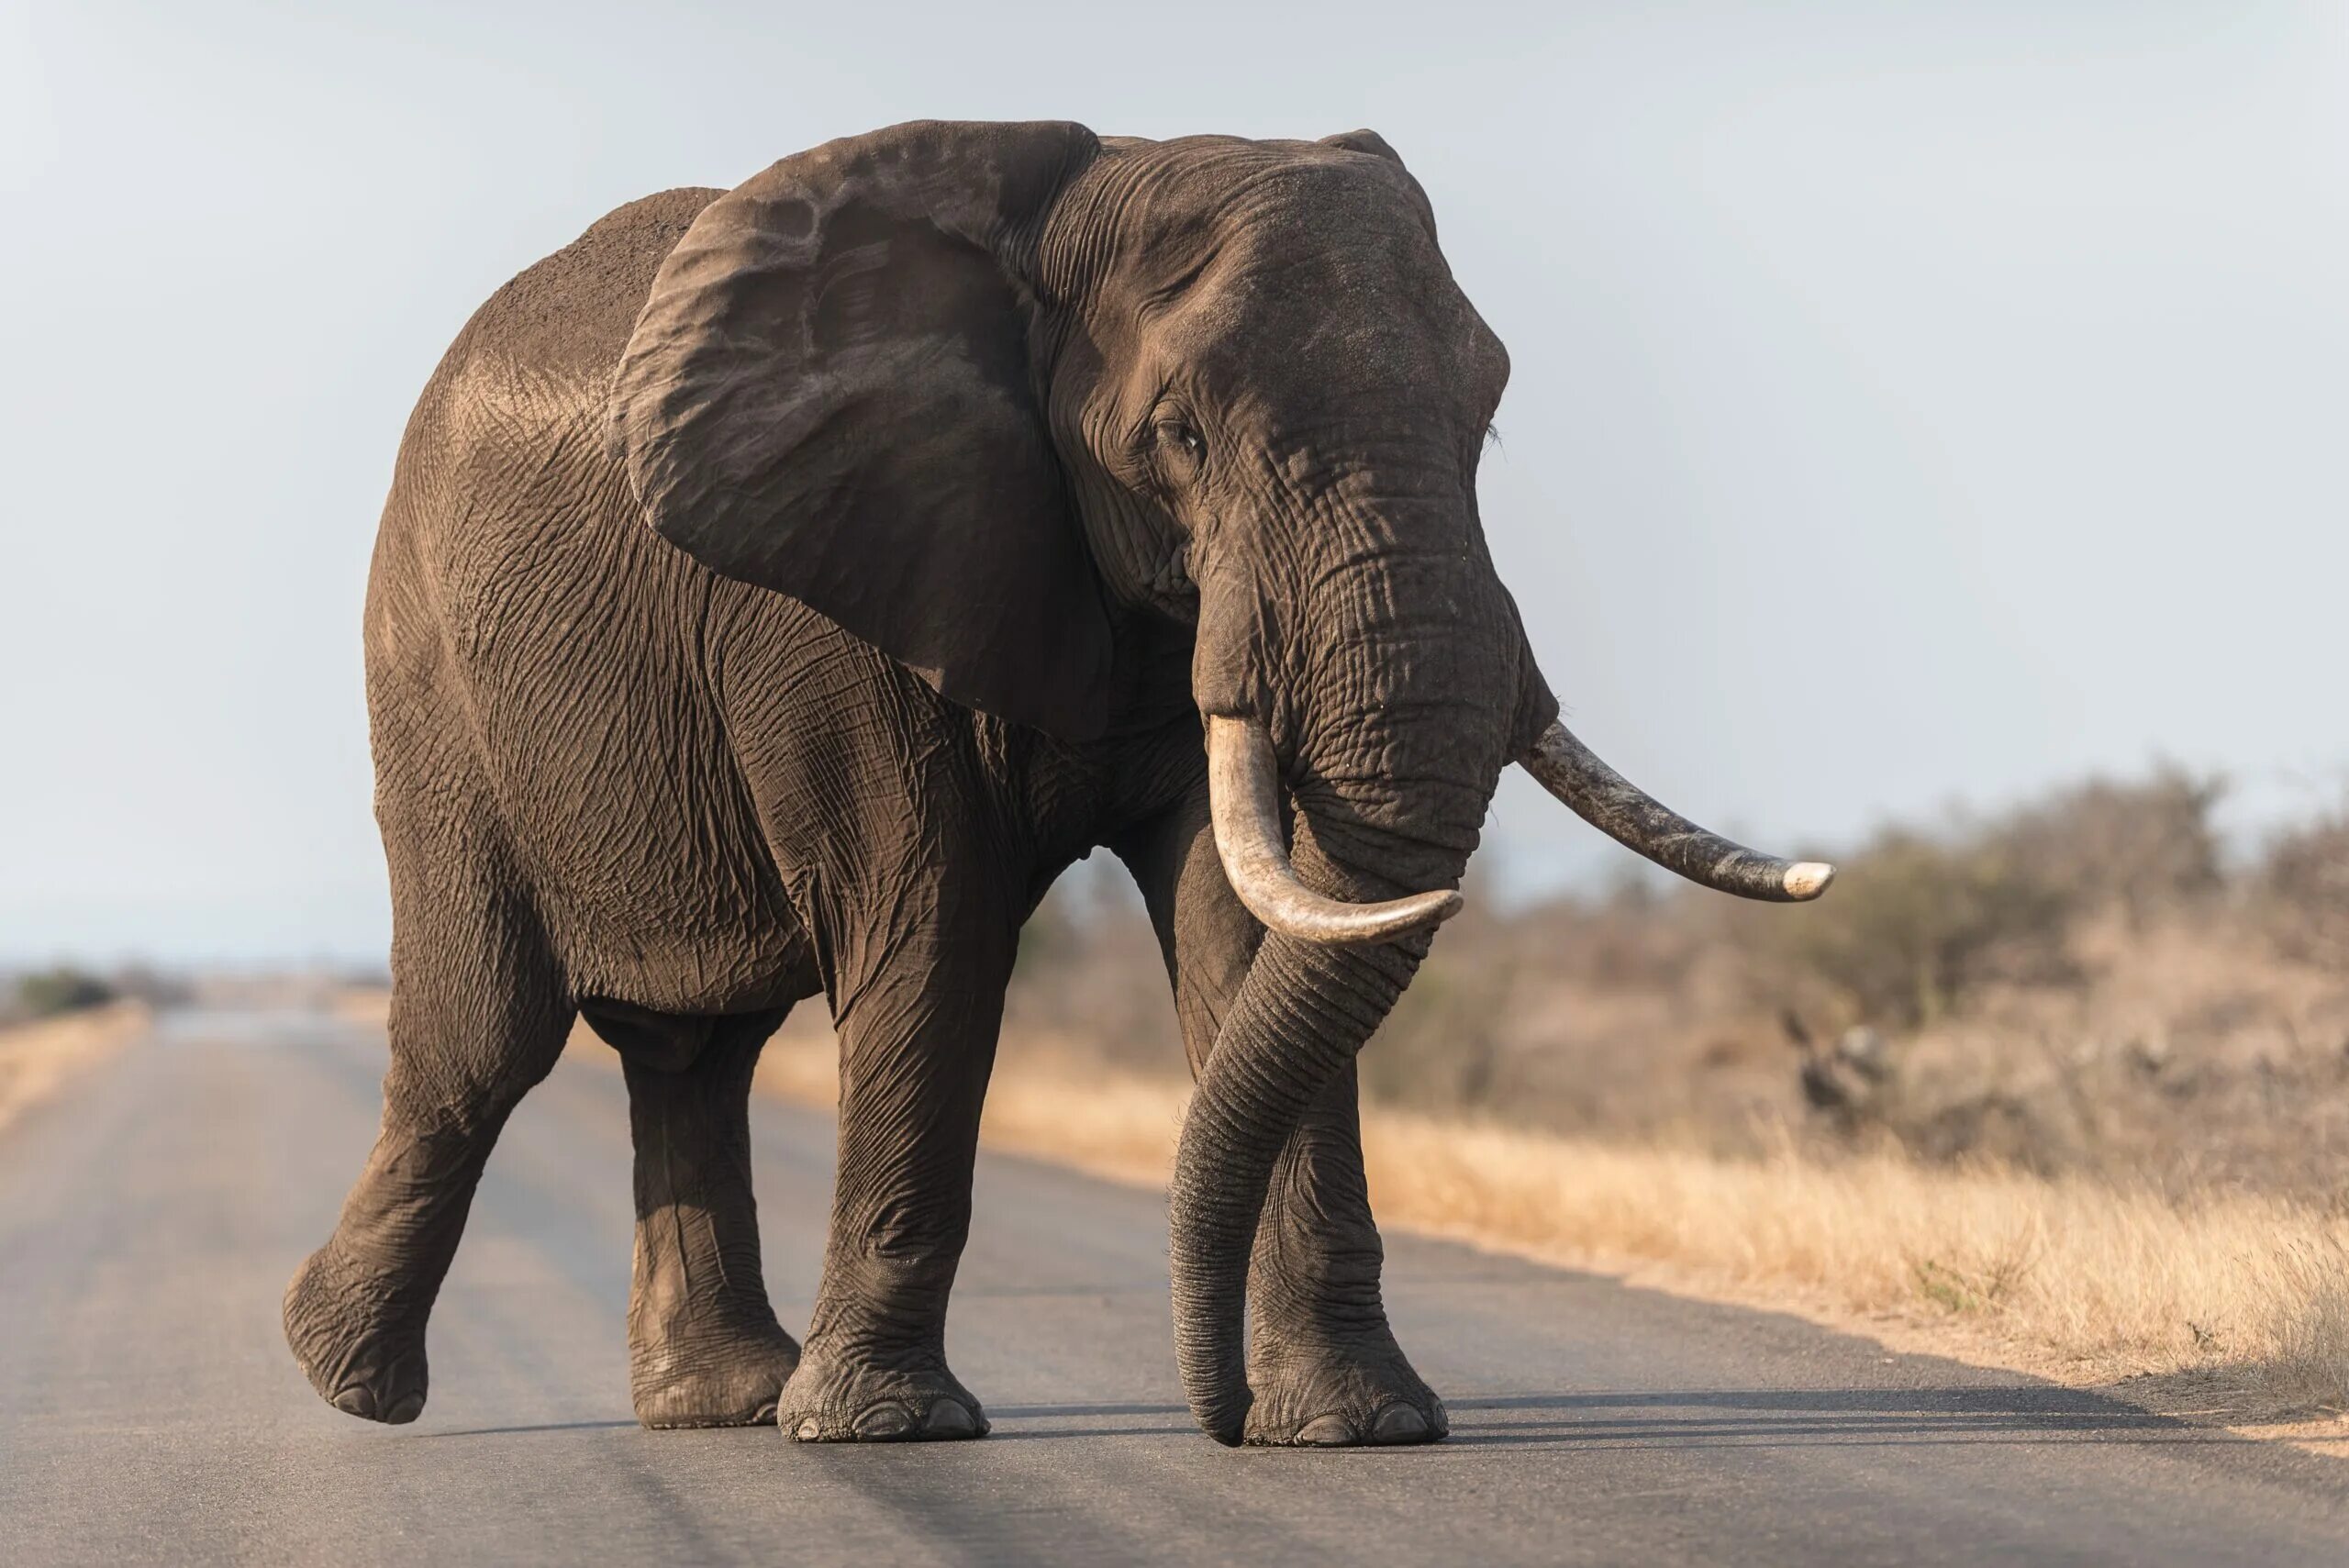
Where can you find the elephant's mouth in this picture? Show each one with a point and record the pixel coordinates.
(1244, 792)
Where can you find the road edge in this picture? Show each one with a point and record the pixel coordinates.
(39, 1057)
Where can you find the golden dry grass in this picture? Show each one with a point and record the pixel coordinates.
(35, 1058)
(2090, 1282)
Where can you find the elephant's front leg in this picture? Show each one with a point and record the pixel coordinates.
(1322, 1364)
(914, 1063)
(703, 1346)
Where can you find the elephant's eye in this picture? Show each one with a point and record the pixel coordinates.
(1184, 444)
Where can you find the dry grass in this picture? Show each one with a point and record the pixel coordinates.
(35, 1058)
(2086, 1282)
(2309, 1331)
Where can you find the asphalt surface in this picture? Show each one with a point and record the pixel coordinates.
(149, 1412)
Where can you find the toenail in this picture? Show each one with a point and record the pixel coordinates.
(947, 1418)
(406, 1410)
(809, 1431)
(1398, 1423)
(1326, 1431)
(356, 1402)
(886, 1420)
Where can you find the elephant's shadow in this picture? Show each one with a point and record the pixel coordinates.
(2021, 1413)
(1707, 1418)
(1698, 1419)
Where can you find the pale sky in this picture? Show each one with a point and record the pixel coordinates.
(1912, 403)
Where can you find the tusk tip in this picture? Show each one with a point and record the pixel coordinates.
(1807, 879)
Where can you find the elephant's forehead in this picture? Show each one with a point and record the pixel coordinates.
(1148, 218)
(1183, 202)
(1288, 236)
(1257, 326)
(1333, 327)
(1264, 272)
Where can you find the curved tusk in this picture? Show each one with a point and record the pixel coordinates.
(1627, 813)
(1244, 799)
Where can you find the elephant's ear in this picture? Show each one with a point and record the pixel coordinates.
(1368, 141)
(827, 394)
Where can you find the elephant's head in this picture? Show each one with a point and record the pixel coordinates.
(988, 394)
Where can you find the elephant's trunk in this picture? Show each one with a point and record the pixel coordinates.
(1303, 1012)
(1399, 713)
(1305, 1009)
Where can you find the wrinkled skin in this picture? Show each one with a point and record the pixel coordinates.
(980, 461)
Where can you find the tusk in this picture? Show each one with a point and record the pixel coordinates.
(1625, 813)
(1244, 799)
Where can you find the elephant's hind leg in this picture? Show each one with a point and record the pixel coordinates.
(478, 1015)
(703, 1346)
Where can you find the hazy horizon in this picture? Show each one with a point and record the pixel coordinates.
(1907, 408)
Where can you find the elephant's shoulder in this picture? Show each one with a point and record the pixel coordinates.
(570, 313)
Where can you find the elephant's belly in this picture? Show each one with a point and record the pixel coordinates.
(680, 941)
(612, 772)
(657, 886)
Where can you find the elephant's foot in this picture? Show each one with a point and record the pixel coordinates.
(361, 1349)
(1314, 1392)
(729, 1377)
(832, 1400)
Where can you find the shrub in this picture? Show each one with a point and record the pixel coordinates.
(59, 990)
(1916, 924)
(2145, 845)
(2302, 889)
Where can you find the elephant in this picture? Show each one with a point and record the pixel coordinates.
(779, 587)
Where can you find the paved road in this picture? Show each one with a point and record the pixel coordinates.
(149, 1412)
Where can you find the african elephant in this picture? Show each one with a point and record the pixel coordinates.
(1011, 491)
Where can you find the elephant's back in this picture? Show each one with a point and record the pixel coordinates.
(524, 383)
(503, 484)
(530, 366)
(570, 315)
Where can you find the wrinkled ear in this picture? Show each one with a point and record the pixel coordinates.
(1368, 141)
(827, 395)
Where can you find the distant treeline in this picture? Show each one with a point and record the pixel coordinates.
(44, 992)
(69, 987)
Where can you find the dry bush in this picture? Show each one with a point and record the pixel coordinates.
(1921, 923)
(1917, 926)
(47, 993)
(2144, 847)
(2302, 889)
